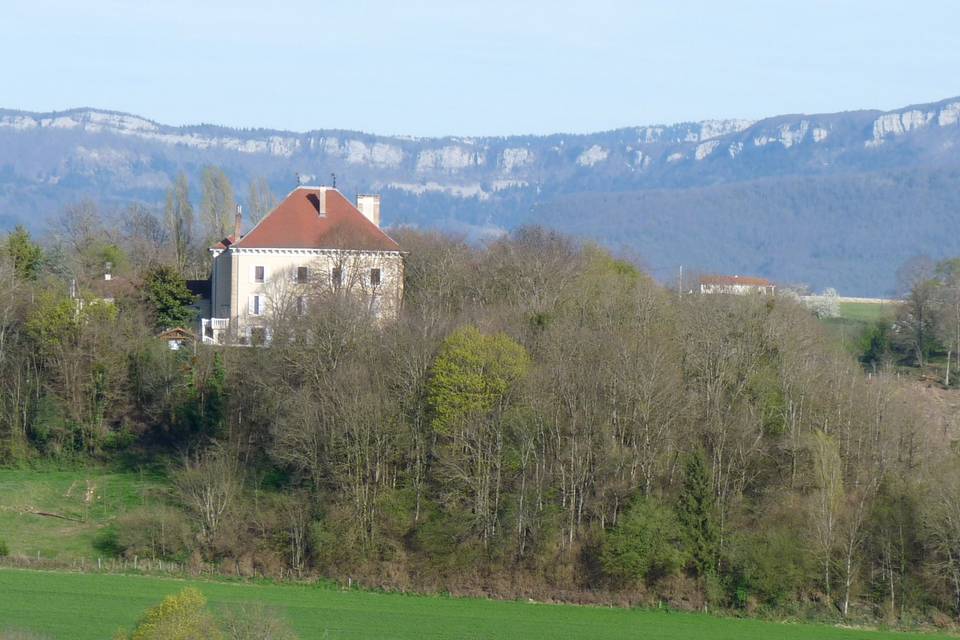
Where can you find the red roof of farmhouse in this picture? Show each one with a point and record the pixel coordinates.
(735, 280)
(314, 218)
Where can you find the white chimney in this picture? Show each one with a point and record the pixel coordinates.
(369, 206)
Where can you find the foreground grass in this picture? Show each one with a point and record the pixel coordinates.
(92, 606)
(87, 500)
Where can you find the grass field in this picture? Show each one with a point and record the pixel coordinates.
(866, 312)
(78, 606)
(854, 319)
(87, 500)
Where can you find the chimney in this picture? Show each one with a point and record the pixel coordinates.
(369, 206)
(237, 220)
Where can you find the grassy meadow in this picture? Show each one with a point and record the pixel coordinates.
(854, 318)
(79, 606)
(77, 504)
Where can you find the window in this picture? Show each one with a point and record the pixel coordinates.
(259, 274)
(336, 277)
(374, 277)
(301, 274)
(256, 305)
(258, 336)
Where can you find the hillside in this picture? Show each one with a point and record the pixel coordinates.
(830, 199)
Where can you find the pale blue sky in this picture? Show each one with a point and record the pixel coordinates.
(492, 67)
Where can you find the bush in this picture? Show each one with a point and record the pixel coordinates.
(4, 550)
(155, 532)
(645, 544)
(771, 566)
(254, 622)
(183, 616)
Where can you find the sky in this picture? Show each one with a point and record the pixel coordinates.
(474, 68)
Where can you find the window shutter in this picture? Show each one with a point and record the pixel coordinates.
(266, 274)
(252, 302)
(253, 273)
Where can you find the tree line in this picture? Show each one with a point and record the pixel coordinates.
(542, 419)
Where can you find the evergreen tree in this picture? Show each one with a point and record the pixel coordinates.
(167, 295)
(27, 256)
(696, 512)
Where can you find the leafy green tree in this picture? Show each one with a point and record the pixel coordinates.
(696, 512)
(645, 545)
(470, 391)
(27, 256)
(204, 409)
(472, 375)
(874, 343)
(166, 293)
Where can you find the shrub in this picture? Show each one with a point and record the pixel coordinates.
(645, 544)
(183, 616)
(163, 532)
(155, 532)
(4, 550)
(254, 622)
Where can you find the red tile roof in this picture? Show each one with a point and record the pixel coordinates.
(735, 280)
(297, 223)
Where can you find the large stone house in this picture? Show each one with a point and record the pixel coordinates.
(314, 243)
(736, 285)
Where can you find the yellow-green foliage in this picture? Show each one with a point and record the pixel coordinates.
(183, 616)
(472, 374)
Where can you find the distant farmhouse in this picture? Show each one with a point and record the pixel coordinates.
(314, 242)
(736, 285)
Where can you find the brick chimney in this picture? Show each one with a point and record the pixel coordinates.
(369, 206)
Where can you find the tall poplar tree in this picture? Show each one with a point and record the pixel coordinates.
(179, 217)
(260, 200)
(217, 204)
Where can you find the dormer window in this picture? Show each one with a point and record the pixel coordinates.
(319, 202)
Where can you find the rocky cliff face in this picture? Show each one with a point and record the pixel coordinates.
(476, 185)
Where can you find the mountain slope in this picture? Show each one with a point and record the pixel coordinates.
(870, 178)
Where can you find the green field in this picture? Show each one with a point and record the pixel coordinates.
(87, 500)
(78, 606)
(854, 319)
(866, 312)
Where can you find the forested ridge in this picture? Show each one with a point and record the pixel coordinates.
(542, 421)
